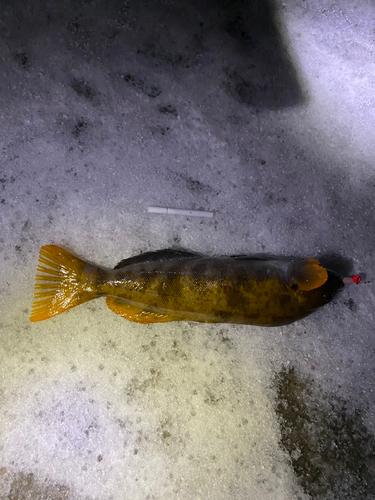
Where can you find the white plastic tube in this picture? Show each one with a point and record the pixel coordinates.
(177, 211)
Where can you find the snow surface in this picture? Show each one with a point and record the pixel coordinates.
(261, 112)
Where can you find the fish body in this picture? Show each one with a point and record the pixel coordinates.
(176, 285)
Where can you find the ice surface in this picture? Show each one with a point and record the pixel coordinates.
(261, 112)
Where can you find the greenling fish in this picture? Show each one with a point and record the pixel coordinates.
(177, 285)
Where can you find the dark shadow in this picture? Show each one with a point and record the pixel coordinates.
(183, 35)
(337, 263)
(265, 76)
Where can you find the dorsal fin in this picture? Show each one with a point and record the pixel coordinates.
(157, 256)
(255, 257)
(307, 274)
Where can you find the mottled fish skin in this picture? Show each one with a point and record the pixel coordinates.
(213, 289)
(177, 285)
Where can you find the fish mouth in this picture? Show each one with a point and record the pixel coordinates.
(332, 286)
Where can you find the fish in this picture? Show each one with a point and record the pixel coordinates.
(179, 285)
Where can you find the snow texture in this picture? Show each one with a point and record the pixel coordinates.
(262, 112)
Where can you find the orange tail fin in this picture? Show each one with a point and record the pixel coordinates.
(61, 283)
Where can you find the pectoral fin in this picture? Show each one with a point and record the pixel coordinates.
(137, 314)
(308, 274)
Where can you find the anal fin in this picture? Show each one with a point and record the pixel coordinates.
(137, 314)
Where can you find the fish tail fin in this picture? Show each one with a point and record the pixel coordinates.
(308, 274)
(60, 283)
